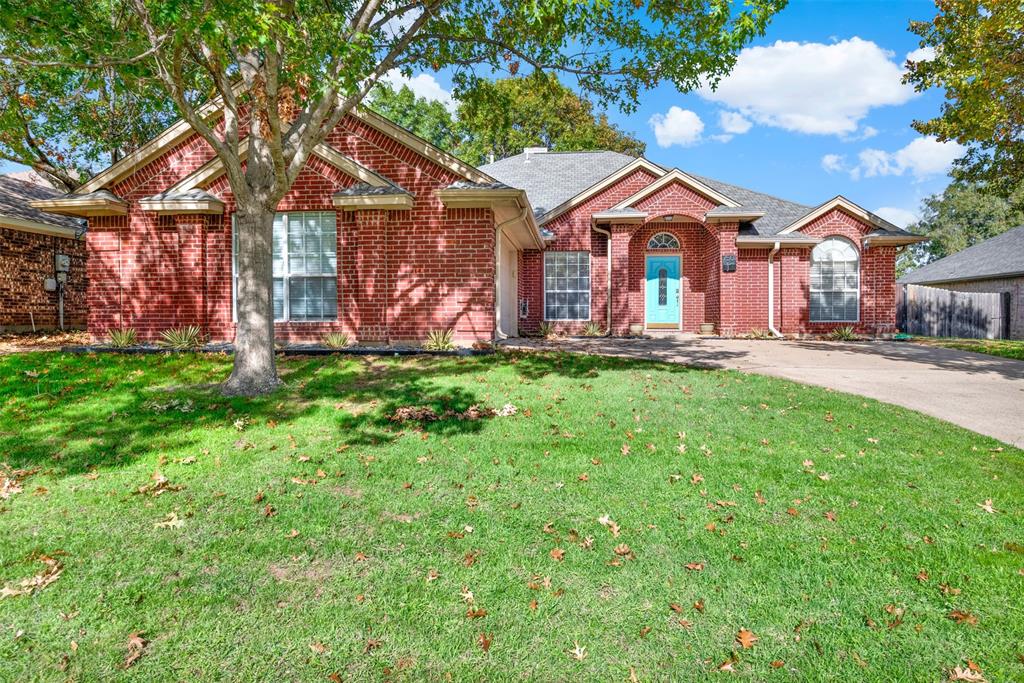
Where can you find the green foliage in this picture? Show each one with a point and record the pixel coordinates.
(428, 119)
(977, 63)
(844, 333)
(510, 114)
(182, 338)
(592, 329)
(959, 217)
(123, 337)
(439, 340)
(335, 340)
(546, 330)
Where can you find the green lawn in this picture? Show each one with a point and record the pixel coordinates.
(316, 540)
(1006, 348)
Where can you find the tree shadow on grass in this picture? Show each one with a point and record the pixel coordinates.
(108, 411)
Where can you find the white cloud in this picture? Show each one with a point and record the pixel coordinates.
(833, 162)
(422, 85)
(723, 137)
(922, 158)
(732, 122)
(677, 127)
(921, 54)
(897, 216)
(812, 87)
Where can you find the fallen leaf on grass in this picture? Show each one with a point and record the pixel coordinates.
(484, 640)
(578, 652)
(35, 583)
(557, 554)
(987, 506)
(371, 644)
(159, 485)
(759, 498)
(960, 673)
(606, 521)
(136, 645)
(695, 566)
(746, 638)
(962, 617)
(476, 613)
(318, 648)
(170, 522)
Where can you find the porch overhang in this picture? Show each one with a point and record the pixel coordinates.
(511, 208)
(192, 202)
(98, 203)
(731, 216)
(620, 217)
(769, 241)
(893, 240)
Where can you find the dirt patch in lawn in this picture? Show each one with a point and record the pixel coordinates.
(40, 341)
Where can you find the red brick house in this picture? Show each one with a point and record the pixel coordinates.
(42, 260)
(386, 237)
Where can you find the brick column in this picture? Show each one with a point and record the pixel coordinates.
(621, 235)
(728, 289)
(371, 283)
(191, 281)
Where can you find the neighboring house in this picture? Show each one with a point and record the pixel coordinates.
(386, 237)
(995, 265)
(31, 297)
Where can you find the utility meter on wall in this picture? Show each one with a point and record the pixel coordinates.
(62, 263)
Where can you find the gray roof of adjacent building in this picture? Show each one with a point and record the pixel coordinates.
(999, 256)
(553, 178)
(15, 195)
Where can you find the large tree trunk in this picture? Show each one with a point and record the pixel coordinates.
(255, 371)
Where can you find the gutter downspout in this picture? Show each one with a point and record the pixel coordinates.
(608, 315)
(771, 291)
(497, 272)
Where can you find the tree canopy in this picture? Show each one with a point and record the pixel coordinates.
(505, 117)
(974, 50)
(959, 217)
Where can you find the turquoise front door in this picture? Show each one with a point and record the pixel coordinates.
(663, 292)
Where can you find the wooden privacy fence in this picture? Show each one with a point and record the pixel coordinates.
(934, 312)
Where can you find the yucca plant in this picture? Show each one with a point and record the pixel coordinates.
(592, 330)
(439, 340)
(547, 330)
(335, 340)
(844, 333)
(182, 338)
(758, 333)
(123, 337)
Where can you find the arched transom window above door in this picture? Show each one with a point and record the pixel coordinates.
(663, 240)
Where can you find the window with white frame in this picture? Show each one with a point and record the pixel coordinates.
(305, 257)
(663, 240)
(835, 282)
(567, 285)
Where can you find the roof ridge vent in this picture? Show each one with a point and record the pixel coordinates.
(528, 151)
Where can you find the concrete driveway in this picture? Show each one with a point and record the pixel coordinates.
(982, 393)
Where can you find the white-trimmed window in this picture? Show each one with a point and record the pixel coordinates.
(305, 256)
(663, 240)
(835, 282)
(566, 285)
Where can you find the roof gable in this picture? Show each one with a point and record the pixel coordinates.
(675, 176)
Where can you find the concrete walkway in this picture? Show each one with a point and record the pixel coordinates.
(982, 393)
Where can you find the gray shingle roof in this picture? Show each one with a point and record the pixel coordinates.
(194, 195)
(778, 213)
(15, 194)
(999, 256)
(552, 178)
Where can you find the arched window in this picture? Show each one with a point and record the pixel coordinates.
(835, 282)
(663, 240)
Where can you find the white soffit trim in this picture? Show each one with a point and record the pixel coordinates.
(394, 202)
(733, 216)
(180, 206)
(842, 203)
(82, 206)
(22, 225)
(677, 176)
(602, 185)
(421, 146)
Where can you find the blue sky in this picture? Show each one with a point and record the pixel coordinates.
(813, 109)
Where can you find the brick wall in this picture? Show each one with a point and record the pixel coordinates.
(400, 273)
(26, 260)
